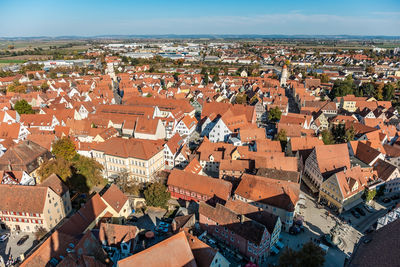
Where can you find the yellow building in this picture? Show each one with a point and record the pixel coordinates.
(142, 159)
(343, 190)
(28, 208)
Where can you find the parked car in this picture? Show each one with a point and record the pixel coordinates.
(359, 210)
(369, 208)
(394, 197)
(368, 231)
(355, 214)
(22, 240)
(386, 200)
(366, 241)
(4, 237)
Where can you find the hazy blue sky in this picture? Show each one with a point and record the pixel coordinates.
(87, 17)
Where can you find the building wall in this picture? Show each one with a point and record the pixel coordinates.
(285, 216)
(222, 233)
(159, 134)
(219, 261)
(219, 132)
(53, 212)
(311, 169)
(177, 192)
(140, 170)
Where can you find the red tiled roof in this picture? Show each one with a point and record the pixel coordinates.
(200, 184)
(173, 251)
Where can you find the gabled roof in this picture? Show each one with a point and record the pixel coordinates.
(305, 142)
(277, 193)
(201, 184)
(173, 251)
(135, 148)
(265, 218)
(21, 155)
(56, 184)
(366, 153)
(241, 225)
(384, 169)
(115, 198)
(193, 166)
(332, 157)
(203, 253)
(115, 234)
(20, 198)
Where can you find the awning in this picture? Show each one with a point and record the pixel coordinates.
(275, 250)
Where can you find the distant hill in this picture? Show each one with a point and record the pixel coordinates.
(209, 36)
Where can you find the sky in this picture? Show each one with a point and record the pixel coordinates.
(24, 18)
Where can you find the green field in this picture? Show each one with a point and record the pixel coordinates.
(11, 61)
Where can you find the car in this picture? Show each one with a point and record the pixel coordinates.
(368, 231)
(22, 240)
(355, 214)
(4, 237)
(386, 200)
(366, 241)
(360, 211)
(369, 208)
(394, 197)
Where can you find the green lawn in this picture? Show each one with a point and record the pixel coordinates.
(12, 61)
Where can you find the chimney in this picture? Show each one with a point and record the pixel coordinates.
(241, 218)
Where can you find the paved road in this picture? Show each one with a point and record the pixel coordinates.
(10, 247)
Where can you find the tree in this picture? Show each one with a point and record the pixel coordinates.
(122, 181)
(327, 137)
(59, 166)
(282, 137)
(369, 195)
(288, 258)
(388, 92)
(206, 78)
(274, 114)
(381, 191)
(324, 78)
(156, 195)
(349, 134)
(367, 89)
(88, 169)
(343, 88)
(370, 70)
(23, 107)
(64, 148)
(40, 232)
(16, 87)
(53, 75)
(241, 99)
(215, 78)
(309, 255)
(44, 87)
(379, 92)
